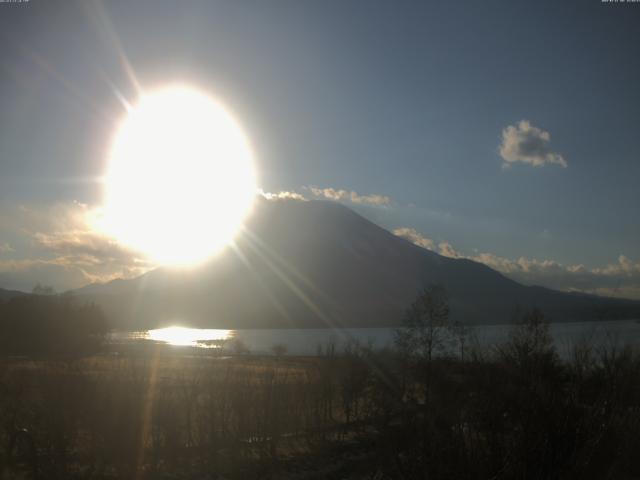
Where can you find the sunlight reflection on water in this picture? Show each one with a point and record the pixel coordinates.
(193, 337)
(306, 341)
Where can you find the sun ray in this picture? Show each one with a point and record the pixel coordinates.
(76, 92)
(287, 265)
(96, 12)
(259, 281)
(290, 283)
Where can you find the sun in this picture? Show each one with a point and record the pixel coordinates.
(180, 178)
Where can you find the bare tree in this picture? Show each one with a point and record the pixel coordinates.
(423, 333)
(460, 333)
(530, 346)
(424, 329)
(43, 290)
(279, 350)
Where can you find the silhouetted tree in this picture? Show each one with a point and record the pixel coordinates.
(530, 340)
(279, 350)
(423, 332)
(50, 324)
(239, 347)
(460, 333)
(43, 290)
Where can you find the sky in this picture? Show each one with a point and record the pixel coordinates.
(502, 131)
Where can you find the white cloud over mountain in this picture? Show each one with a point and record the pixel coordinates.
(620, 278)
(329, 193)
(416, 237)
(284, 195)
(60, 246)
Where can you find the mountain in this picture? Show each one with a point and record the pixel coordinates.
(314, 264)
(8, 294)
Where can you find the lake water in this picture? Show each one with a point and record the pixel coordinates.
(307, 341)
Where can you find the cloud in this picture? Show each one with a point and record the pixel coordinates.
(528, 144)
(330, 194)
(101, 257)
(6, 248)
(443, 248)
(67, 251)
(620, 278)
(350, 196)
(25, 274)
(284, 195)
(415, 237)
(447, 250)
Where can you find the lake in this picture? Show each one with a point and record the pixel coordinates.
(307, 341)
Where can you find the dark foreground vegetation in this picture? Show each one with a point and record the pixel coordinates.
(414, 412)
(50, 325)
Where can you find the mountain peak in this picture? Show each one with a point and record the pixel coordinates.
(319, 263)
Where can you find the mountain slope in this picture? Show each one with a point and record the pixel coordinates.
(8, 294)
(303, 264)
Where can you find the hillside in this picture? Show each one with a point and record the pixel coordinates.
(304, 264)
(7, 294)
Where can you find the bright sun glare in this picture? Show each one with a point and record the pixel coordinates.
(180, 179)
(182, 336)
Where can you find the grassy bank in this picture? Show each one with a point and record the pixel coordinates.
(514, 412)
